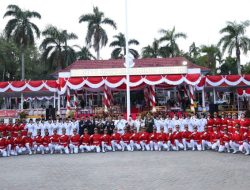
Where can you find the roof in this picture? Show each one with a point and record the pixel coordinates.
(119, 63)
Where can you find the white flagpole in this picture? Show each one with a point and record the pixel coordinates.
(127, 61)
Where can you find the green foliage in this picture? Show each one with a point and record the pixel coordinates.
(120, 47)
(229, 66)
(246, 68)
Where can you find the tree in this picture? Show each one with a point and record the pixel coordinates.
(229, 66)
(170, 36)
(152, 51)
(21, 29)
(96, 35)
(56, 51)
(84, 53)
(246, 68)
(235, 38)
(120, 47)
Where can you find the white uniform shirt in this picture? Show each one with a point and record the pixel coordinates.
(30, 127)
(203, 123)
(42, 127)
(120, 125)
(74, 125)
(36, 127)
(167, 124)
(189, 123)
(59, 125)
(67, 126)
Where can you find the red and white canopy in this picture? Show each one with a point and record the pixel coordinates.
(243, 92)
(29, 86)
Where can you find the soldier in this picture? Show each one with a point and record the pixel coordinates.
(115, 140)
(54, 142)
(224, 141)
(144, 139)
(195, 139)
(153, 142)
(236, 142)
(177, 139)
(186, 138)
(95, 141)
(3, 151)
(134, 140)
(246, 143)
(38, 143)
(125, 140)
(74, 142)
(85, 141)
(106, 141)
(64, 142)
(163, 140)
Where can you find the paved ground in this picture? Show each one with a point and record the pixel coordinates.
(126, 170)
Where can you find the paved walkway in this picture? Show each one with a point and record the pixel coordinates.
(127, 170)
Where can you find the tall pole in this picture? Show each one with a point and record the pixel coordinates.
(127, 61)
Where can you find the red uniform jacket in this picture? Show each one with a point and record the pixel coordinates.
(244, 123)
(135, 137)
(225, 138)
(55, 139)
(186, 135)
(2, 143)
(126, 138)
(28, 140)
(237, 137)
(106, 139)
(177, 135)
(246, 137)
(196, 136)
(144, 137)
(3, 129)
(224, 122)
(234, 122)
(46, 140)
(210, 123)
(10, 141)
(38, 140)
(214, 136)
(163, 137)
(116, 137)
(205, 136)
(63, 140)
(75, 139)
(95, 139)
(85, 139)
(153, 137)
(217, 122)
(19, 141)
(230, 125)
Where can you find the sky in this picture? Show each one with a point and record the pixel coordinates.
(201, 20)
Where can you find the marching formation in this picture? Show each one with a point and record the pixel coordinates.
(161, 132)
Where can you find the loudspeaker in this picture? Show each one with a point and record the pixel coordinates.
(213, 108)
(50, 113)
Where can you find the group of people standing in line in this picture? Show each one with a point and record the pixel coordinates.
(148, 132)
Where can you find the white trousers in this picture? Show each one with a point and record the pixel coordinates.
(63, 149)
(163, 146)
(195, 145)
(85, 147)
(215, 145)
(153, 145)
(3, 152)
(53, 147)
(38, 148)
(187, 145)
(226, 147)
(236, 147)
(246, 147)
(125, 146)
(73, 149)
(106, 147)
(206, 145)
(95, 148)
(134, 145)
(20, 150)
(115, 146)
(177, 145)
(144, 146)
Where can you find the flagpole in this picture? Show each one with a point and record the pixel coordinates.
(127, 61)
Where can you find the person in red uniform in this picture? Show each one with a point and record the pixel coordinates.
(22, 128)
(244, 123)
(38, 143)
(74, 142)
(237, 140)
(106, 141)
(217, 121)
(246, 143)
(177, 139)
(54, 142)
(224, 121)
(153, 139)
(9, 128)
(64, 142)
(19, 143)
(85, 141)
(115, 140)
(205, 139)
(46, 141)
(144, 139)
(195, 139)
(95, 141)
(10, 145)
(163, 141)
(186, 138)
(210, 123)
(125, 140)
(235, 121)
(3, 128)
(28, 142)
(224, 141)
(134, 140)
(229, 123)
(3, 151)
(215, 138)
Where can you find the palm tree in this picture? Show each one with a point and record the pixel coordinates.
(194, 51)
(235, 38)
(170, 36)
(96, 35)
(56, 51)
(120, 47)
(84, 53)
(152, 51)
(21, 30)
